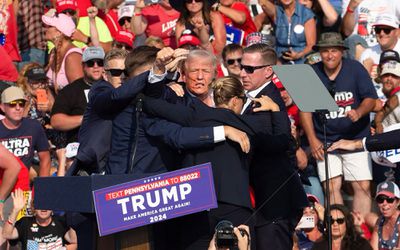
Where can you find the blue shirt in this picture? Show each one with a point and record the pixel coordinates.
(291, 35)
(351, 86)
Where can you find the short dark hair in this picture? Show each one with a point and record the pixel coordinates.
(140, 56)
(230, 48)
(267, 53)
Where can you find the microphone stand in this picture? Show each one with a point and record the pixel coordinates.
(327, 216)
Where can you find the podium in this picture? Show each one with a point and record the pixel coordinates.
(74, 194)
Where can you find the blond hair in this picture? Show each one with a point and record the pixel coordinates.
(225, 88)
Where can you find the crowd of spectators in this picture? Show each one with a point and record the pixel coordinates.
(70, 72)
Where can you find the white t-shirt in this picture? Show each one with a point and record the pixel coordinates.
(375, 53)
(366, 14)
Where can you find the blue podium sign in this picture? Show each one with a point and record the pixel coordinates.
(153, 199)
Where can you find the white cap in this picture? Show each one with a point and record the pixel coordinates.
(391, 67)
(387, 19)
(125, 11)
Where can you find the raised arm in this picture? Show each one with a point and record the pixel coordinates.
(138, 22)
(349, 19)
(11, 168)
(116, 98)
(236, 16)
(218, 27)
(268, 8)
(94, 34)
(330, 14)
(9, 230)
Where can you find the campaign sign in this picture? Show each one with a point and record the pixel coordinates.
(234, 35)
(388, 157)
(153, 199)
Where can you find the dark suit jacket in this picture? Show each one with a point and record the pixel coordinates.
(277, 186)
(230, 165)
(105, 102)
(389, 140)
(154, 139)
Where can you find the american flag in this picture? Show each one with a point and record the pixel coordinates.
(32, 245)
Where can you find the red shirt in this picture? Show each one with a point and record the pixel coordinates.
(111, 20)
(8, 72)
(22, 179)
(248, 26)
(83, 5)
(161, 23)
(11, 45)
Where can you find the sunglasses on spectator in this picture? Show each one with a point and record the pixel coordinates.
(340, 221)
(380, 199)
(37, 84)
(91, 63)
(117, 72)
(232, 61)
(20, 103)
(191, 1)
(385, 30)
(122, 20)
(70, 12)
(250, 69)
(122, 46)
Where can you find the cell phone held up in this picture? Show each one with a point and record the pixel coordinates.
(306, 222)
(41, 96)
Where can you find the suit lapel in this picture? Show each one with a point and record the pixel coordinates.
(267, 90)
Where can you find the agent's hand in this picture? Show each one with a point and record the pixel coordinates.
(177, 88)
(350, 145)
(164, 56)
(238, 136)
(179, 55)
(267, 104)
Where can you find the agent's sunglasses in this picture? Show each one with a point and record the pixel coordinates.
(90, 63)
(339, 221)
(232, 61)
(117, 72)
(191, 1)
(20, 103)
(250, 69)
(385, 30)
(380, 199)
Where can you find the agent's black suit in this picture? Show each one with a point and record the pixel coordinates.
(388, 140)
(230, 165)
(279, 194)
